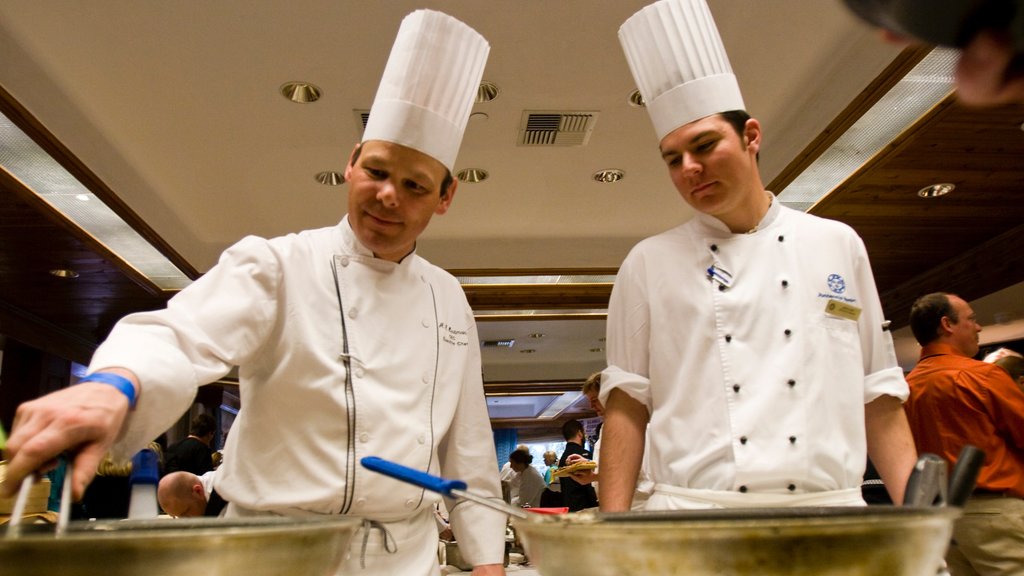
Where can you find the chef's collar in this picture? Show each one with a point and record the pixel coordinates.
(774, 207)
(354, 246)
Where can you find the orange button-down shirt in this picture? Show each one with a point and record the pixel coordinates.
(955, 400)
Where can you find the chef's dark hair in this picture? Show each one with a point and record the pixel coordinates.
(926, 316)
(520, 457)
(738, 120)
(446, 184)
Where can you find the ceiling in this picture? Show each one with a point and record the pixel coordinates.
(171, 113)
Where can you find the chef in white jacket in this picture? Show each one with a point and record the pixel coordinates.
(751, 337)
(348, 344)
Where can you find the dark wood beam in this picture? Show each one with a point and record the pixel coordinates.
(971, 275)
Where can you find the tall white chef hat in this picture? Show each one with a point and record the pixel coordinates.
(679, 63)
(429, 85)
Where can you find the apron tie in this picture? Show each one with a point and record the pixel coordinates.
(389, 541)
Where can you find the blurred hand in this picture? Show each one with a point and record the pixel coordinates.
(582, 476)
(83, 419)
(984, 75)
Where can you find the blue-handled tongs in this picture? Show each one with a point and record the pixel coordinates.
(450, 488)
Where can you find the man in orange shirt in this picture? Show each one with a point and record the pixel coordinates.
(956, 400)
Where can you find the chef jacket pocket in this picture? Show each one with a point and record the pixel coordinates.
(839, 340)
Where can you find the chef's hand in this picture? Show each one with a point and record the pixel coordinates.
(984, 75)
(581, 476)
(489, 570)
(83, 419)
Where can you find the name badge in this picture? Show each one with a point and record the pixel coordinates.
(842, 310)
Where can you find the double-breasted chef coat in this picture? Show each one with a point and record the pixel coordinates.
(754, 354)
(341, 355)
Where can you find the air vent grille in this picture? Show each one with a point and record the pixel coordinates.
(553, 128)
(362, 117)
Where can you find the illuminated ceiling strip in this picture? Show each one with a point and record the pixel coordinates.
(559, 405)
(23, 159)
(554, 279)
(550, 314)
(922, 88)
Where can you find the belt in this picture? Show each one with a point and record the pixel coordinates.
(989, 493)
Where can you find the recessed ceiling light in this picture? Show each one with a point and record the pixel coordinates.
(527, 351)
(536, 335)
(300, 92)
(486, 92)
(609, 176)
(636, 100)
(472, 175)
(64, 273)
(331, 178)
(597, 349)
(936, 190)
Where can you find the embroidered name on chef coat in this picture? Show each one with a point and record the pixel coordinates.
(454, 336)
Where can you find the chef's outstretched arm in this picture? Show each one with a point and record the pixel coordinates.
(622, 450)
(83, 419)
(890, 444)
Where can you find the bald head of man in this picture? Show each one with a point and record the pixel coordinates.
(181, 494)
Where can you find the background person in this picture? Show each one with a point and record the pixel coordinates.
(531, 483)
(193, 453)
(749, 338)
(184, 495)
(954, 401)
(575, 496)
(1014, 366)
(348, 344)
(552, 495)
(644, 483)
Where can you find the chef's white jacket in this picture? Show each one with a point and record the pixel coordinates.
(282, 310)
(753, 386)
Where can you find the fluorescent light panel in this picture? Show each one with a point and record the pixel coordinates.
(537, 280)
(23, 159)
(923, 87)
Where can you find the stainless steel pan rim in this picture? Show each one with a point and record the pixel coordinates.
(262, 546)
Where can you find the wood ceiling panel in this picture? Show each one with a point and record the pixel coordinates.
(64, 316)
(948, 243)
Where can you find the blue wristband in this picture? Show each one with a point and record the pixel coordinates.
(120, 382)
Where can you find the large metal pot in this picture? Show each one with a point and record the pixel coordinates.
(261, 546)
(855, 541)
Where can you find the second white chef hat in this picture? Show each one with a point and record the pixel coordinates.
(429, 85)
(679, 63)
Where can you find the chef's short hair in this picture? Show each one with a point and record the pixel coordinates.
(926, 316)
(592, 384)
(738, 120)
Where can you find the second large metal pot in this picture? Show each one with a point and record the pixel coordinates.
(861, 541)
